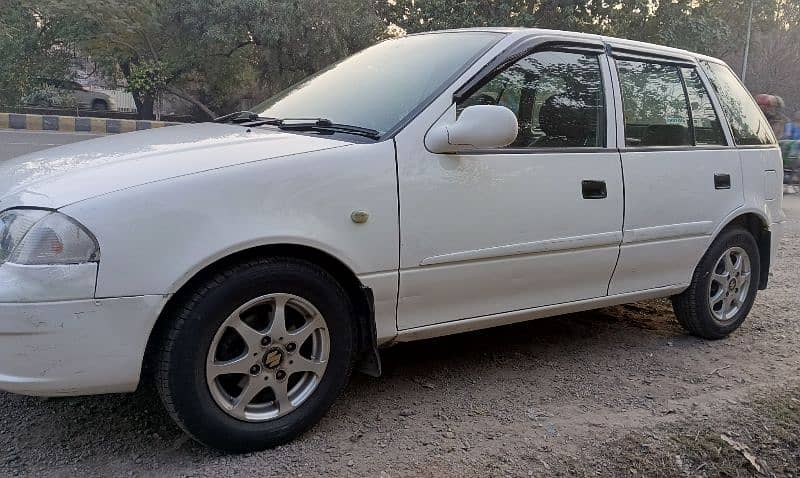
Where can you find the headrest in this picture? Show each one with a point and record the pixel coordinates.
(665, 135)
(568, 115)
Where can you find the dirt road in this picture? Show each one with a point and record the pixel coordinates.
(564, 396)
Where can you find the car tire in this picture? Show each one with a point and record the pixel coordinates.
(715, 303)
(192, 345)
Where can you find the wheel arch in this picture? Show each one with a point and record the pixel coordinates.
(360, 296)
(757, 223)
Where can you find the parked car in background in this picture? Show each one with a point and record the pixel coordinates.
(68, 94)
(428, 185)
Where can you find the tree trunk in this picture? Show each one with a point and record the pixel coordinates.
(193, 100)
(144, 106)
(144, 103)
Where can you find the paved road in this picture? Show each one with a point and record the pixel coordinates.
(15, 143)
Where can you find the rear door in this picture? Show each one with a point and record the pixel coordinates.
(682, 174)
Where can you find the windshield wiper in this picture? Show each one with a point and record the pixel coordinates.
(316, 124)
(323, 124)
(242, 117)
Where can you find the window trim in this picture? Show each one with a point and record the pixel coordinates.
(692, 133)
(507, 150)
(709, 147)
(633, 55)
(534, 44)
(517, 52)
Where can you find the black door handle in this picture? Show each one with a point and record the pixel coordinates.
(722, 181)
(593, 189)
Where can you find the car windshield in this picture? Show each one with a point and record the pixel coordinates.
(379, 87)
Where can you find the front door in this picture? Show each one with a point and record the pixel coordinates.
(533, 224)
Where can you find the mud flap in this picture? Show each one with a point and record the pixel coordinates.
(369, 361)
(764, 244)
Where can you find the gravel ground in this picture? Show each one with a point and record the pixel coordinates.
(554, 396)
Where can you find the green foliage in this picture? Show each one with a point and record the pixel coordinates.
(223, 54)
(46, 95)
(32, 46)
(148, 77)
(257, 47)
(416, 16)
(681, 23)
(216, 52)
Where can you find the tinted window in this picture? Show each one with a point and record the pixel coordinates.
(748, 125)
(557, 97)
(654, 104)
(707, 129)
(378, 87)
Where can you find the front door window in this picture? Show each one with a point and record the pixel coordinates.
(557, 97)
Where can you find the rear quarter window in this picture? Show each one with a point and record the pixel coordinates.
(748, 125)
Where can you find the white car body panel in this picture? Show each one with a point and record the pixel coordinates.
(81, 171)
(76, 347)
(671, 210)
(454, 242)
(23, 283)
(289, 200)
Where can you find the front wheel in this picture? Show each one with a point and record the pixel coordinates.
(257, 354)
(723, 286)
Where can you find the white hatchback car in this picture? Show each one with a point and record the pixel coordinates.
(428, 185)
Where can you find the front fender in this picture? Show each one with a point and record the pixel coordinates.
(156, 236)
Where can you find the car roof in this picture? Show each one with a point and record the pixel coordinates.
(521, 32)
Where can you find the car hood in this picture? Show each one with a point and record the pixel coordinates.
(64, 175)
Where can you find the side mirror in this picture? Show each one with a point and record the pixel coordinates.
(478, 127)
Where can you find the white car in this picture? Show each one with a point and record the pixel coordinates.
(428, 185)
(67, 93)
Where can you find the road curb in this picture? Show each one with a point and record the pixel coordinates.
(74, 124)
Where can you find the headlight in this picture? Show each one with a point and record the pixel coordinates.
(39, 237)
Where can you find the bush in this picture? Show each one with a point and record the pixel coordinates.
(49, 96)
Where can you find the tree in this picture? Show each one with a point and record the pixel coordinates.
(131, 41)
(682, 23)
(416, 16)
(221, 55)
(211, 53)
(33, 47)
(273, 44)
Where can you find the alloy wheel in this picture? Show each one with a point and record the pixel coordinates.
(267, 357)
(729, 284)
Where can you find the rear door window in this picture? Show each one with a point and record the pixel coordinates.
(747, 123)
(654, 104)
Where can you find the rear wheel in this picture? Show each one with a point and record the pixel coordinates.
(257, 354)
(723, 286)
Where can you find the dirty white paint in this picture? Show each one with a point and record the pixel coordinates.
(74, 347)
